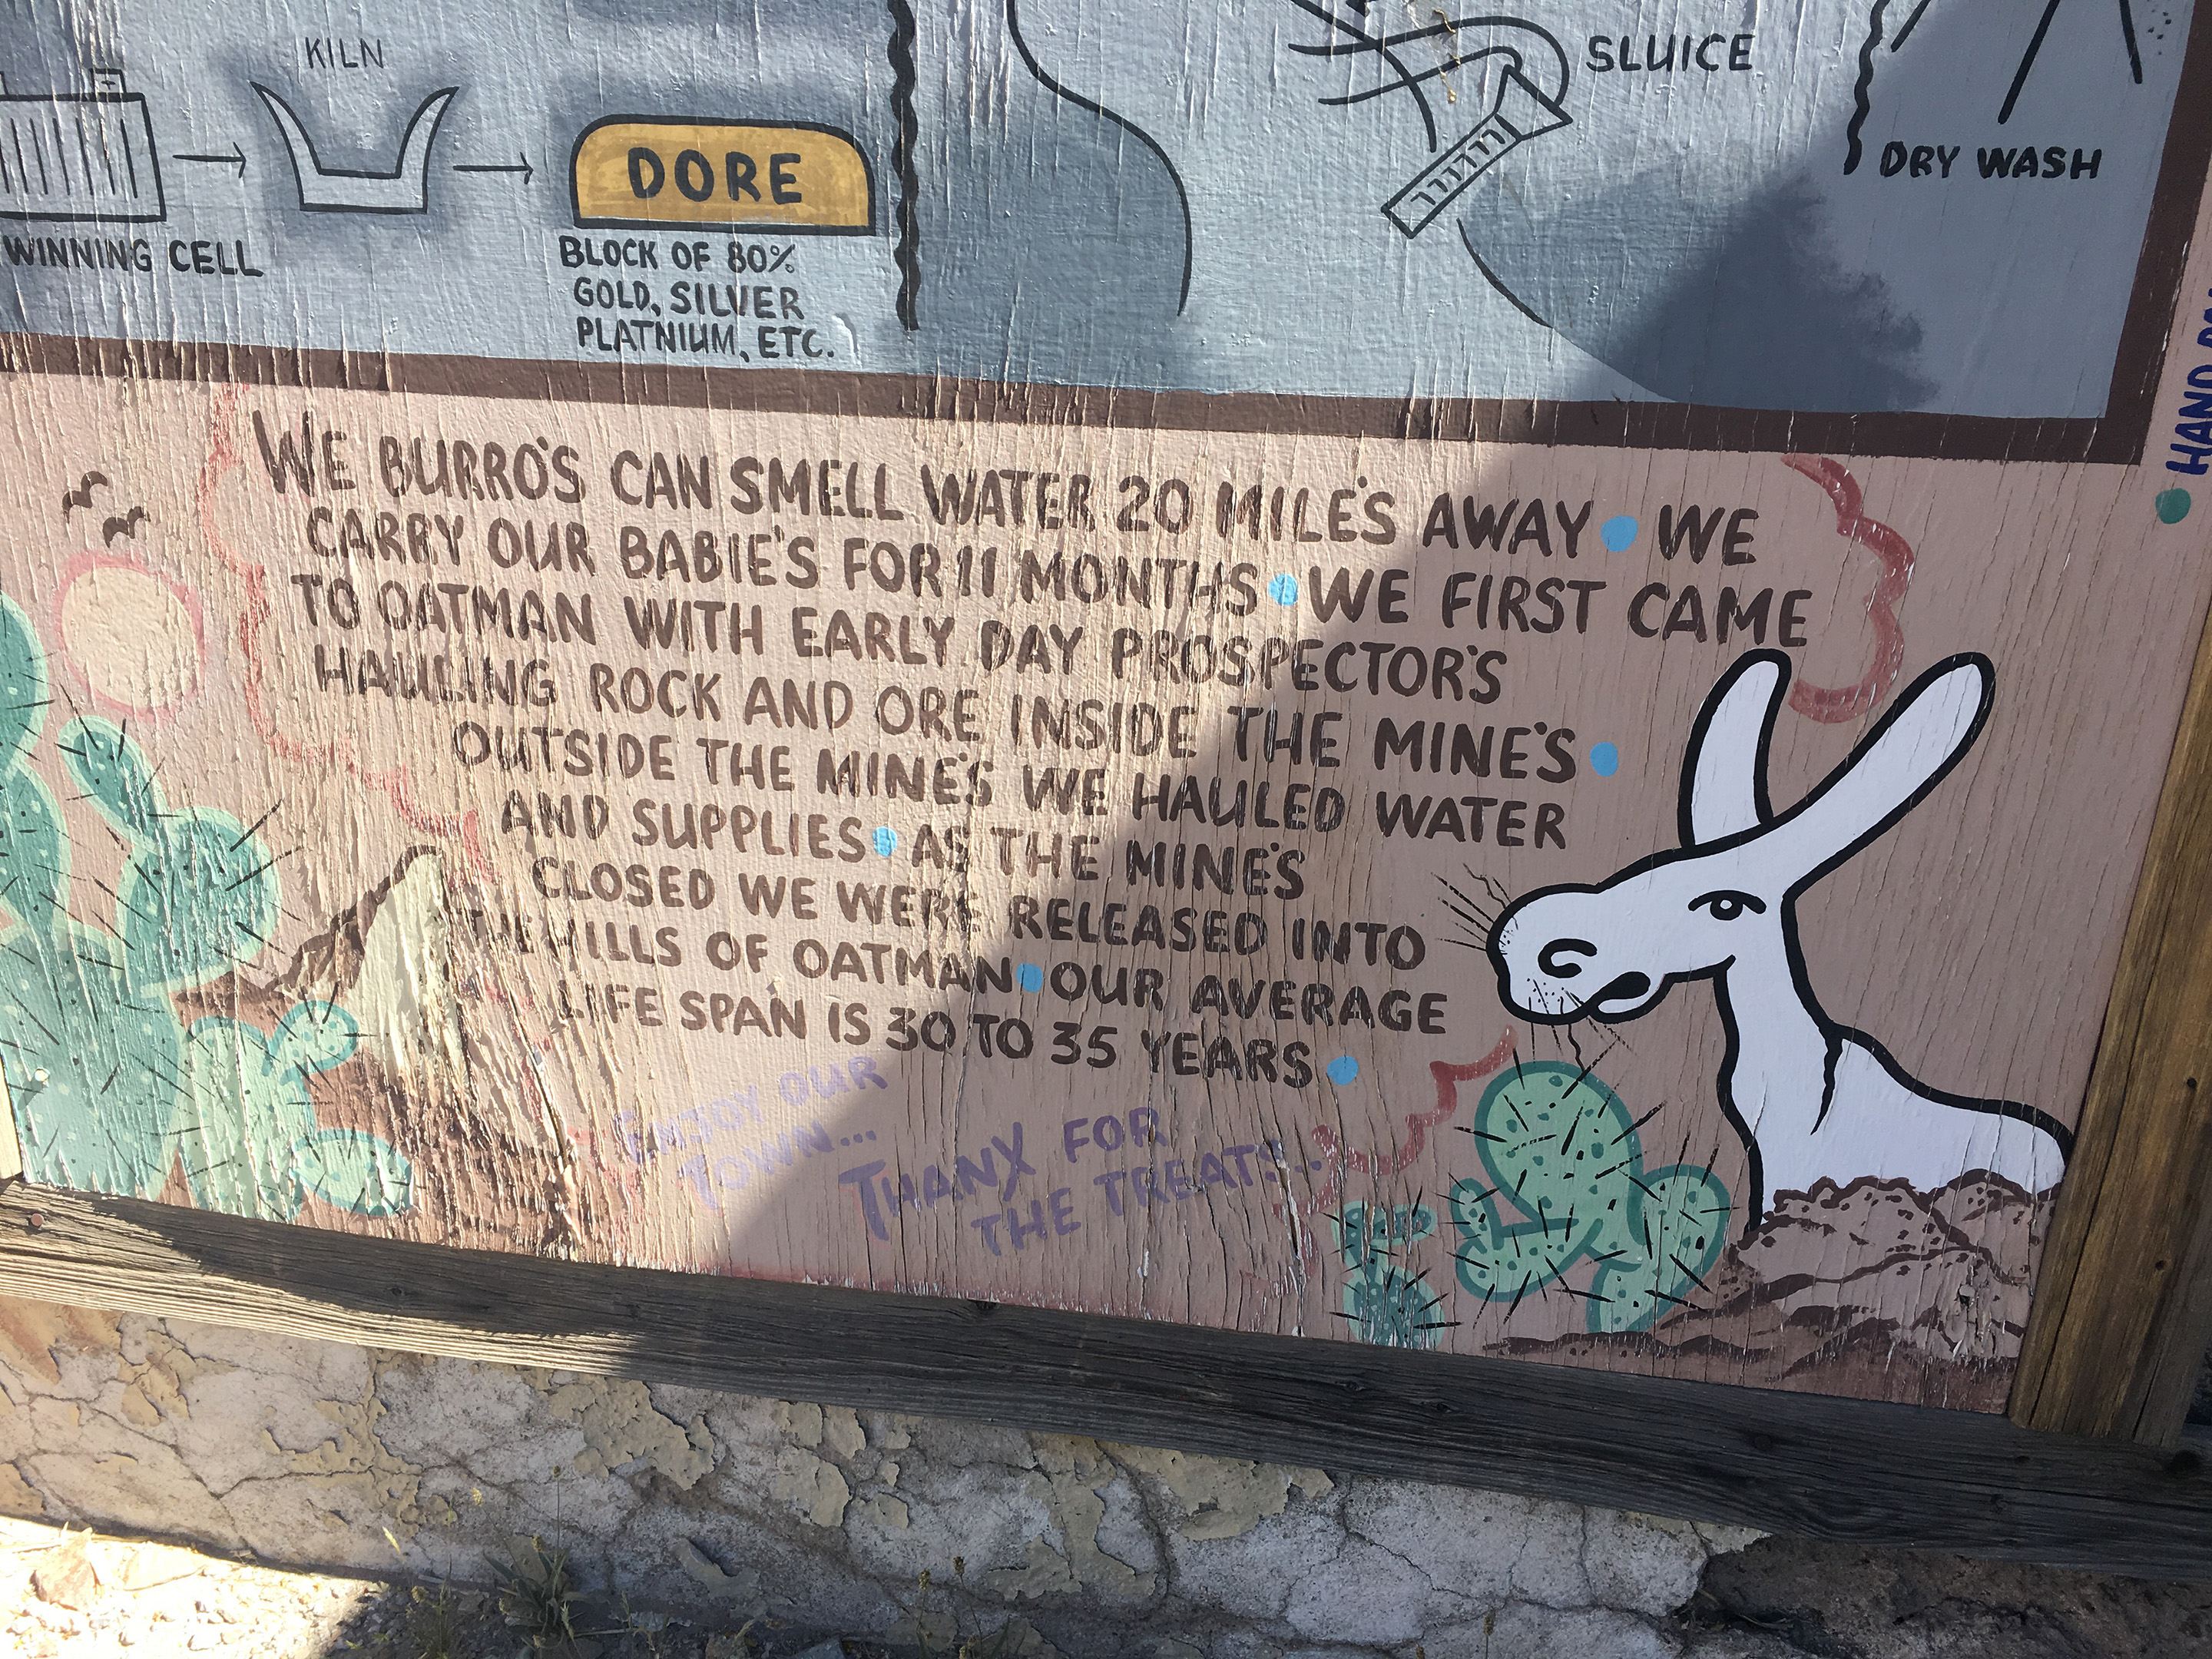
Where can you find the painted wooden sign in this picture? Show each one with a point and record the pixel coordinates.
(1492, 684)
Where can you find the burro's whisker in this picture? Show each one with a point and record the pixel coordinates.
(1718, 903)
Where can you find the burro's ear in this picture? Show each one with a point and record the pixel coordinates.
(1921, 738)
(1724, 771)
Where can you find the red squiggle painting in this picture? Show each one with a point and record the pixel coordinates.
(394, 783)
(1418, 1124)
(1835, 703)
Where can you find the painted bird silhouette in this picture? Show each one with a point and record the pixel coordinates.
(81, 496)
(124, 525)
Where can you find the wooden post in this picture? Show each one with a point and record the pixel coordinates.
(2122, 1310)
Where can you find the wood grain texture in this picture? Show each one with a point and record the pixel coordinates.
(535, 1115)
(2124, 1310)
(1892, 1475)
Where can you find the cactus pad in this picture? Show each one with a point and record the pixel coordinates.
(1383, 1303)
(247, 1129)
(1565, 1183)
(106, 1085)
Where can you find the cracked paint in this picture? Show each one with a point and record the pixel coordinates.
(812, 1487)
(621, 1427)
(1073, 1473)
(155, 1387)
(1222, 1497)
(354, 1463)
(884, 1509)
(801, 1421)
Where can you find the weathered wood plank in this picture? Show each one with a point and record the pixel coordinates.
(1800, 1464)
(2123, 1305)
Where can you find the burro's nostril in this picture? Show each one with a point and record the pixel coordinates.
(1548, 958)
(1628, 987)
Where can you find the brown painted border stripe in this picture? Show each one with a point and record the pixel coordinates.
(2131, 403)
(922, 398)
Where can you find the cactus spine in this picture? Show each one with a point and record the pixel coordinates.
(1565, 1183)
(107, 1085)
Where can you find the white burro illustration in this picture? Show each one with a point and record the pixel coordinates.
(1809, 1096)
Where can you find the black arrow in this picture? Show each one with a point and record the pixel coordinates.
(237, 158)
(526, 169)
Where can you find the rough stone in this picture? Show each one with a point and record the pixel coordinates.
(1482, 1548)
(1043, 1571)
(17, 1495)
(841, 1433)
(1527, 1631)
(720, 1508)
(815, 1488)
(1019, 1639)
(883, 1510)
(1364, 1595)
(923, 1627)
(1075, 1478)
(742, 1586)
(134, 1567)
(983, 1514)
(801, 1421)
(65, 1578)
(1245, 1644)
(1641, 1563)
(622, 1428)
(1250, 1577)
(1221, 1497)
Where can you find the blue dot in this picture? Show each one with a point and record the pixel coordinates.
(1605, 759)
(1283, 589)
(1619, 533)
(2172, 505)
(1342, 1070)
(1029, 977)
(886, 840)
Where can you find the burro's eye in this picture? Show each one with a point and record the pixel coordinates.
(1726, 905)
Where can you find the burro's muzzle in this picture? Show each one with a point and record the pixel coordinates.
(1559, 959)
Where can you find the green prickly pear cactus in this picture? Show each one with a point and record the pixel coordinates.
(200, 892)
(88, 1046)
(93, 1052)
(247, 1129)
(1565, 1184)
(1383, 1303)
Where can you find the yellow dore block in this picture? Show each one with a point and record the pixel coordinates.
(723, 174)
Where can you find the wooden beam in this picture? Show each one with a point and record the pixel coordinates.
(1802, 1464)
(2123, 1312)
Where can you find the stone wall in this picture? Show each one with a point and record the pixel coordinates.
(721, 1506)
